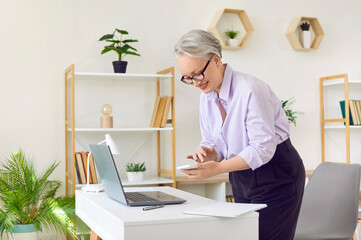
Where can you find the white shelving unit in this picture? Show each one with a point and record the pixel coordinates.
(338, 123)
(120, 129)
(162, 176)
(121, 76)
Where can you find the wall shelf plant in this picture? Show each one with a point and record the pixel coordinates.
(294, 32)
(235, 20)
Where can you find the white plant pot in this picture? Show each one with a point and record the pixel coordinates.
(233, 42)
(24, 236)
(306, 39)
(24, 232)
(135, 176)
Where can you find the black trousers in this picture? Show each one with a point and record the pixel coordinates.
(279, 184)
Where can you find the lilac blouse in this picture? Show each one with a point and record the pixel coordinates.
(255, 123)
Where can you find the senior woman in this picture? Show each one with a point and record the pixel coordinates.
(245, 133)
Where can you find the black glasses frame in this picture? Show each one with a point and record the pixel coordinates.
(191, 79)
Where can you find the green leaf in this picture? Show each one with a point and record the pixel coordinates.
(133, 48)
(122, 31)
(132, 53)
(135, 167)
(114, 41)
(124, 48)
(129, 40)
(107, 36)
(291, 115)
(106, 49)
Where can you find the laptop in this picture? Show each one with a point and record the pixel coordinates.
(113, 187)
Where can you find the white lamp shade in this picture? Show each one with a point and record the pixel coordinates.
(110, 142)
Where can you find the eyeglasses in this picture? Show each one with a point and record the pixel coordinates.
(196, 77)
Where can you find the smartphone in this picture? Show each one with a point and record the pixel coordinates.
(187, 167)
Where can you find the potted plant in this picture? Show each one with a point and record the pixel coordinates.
(291, 115)
(232, 40)
(28, 202)
(121, 47)
(306, 35)
(135, 171)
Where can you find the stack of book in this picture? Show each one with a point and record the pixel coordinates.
(230, 198)
(160, 111)
(81, 159)
(355, 111)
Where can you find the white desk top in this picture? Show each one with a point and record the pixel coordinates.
(136, 215)
(102, 213)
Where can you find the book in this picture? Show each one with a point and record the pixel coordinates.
(357, 116)
(358, 104)
(160, 111)
(353, 112)
(84, 157)
(230, 198)
(79, 162)
(225, 209)
(342, 105)
(92, 170)
(166, 111)
(155, 110)
(77, 170)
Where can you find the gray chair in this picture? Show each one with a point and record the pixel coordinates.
(330, 203)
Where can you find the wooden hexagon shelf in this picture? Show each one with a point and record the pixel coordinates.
(226, 19)
(294, 39)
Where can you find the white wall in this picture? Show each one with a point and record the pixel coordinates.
(40, 38)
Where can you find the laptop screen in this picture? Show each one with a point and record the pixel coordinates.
(108, 173)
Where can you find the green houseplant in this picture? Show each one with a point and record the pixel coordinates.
(232, 34)
(28, 200)
(291, 115)
(135, 171)
(121, 47)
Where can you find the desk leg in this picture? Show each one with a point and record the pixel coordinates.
(94, 236)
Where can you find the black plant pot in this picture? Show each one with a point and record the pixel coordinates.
(120, 66)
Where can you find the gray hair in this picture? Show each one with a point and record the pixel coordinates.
(198, 44)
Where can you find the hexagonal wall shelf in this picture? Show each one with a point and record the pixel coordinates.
(227, 19)
(293, 29)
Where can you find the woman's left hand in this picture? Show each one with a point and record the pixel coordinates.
(204, 170)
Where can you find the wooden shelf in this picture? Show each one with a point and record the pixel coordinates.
(145, 182)
(343, 127)
(119, 76)
(71, 76)
(309, 173)
(147, 129)
(325, 123)
(340, 82)
(294, 39)
(218, 30)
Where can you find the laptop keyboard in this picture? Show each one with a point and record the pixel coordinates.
(138, 197)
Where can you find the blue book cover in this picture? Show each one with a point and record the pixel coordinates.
(342, 105)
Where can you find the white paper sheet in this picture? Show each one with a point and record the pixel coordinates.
(225, 209)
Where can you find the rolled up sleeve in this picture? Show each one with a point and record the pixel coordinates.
(260, 128)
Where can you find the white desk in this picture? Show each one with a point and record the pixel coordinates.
(111, 220)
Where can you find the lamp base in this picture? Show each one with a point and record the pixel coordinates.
(93, 188)
(106, 122)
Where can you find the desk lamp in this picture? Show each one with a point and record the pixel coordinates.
(113, 148)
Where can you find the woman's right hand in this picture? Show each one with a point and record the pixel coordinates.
(204, 154)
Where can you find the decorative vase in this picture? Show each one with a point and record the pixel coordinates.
(120, 66)
(306, 39)
(233, 42)
(135, 176)
(24, 232)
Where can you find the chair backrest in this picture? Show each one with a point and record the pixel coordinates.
(331, 200)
